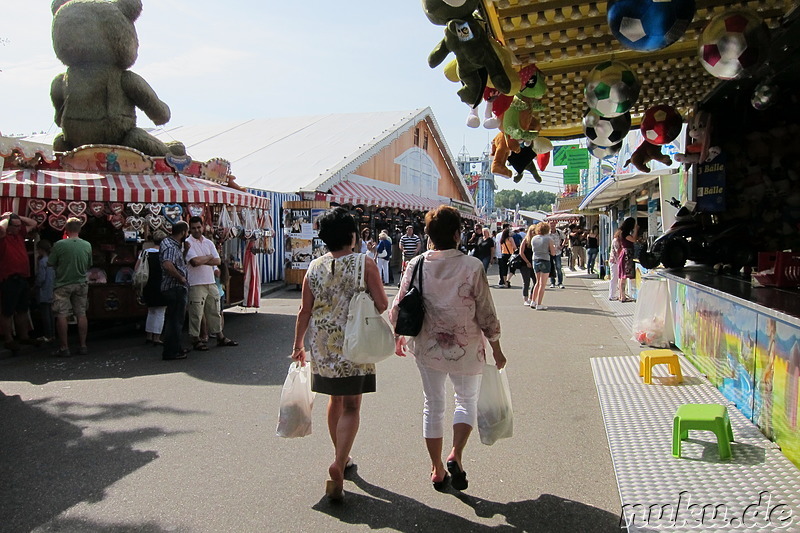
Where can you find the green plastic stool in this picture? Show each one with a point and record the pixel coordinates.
(702, 416)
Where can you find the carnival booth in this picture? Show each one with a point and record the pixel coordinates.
(123, 197)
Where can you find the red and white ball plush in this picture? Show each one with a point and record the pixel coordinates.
(733, 43)
(661, 124)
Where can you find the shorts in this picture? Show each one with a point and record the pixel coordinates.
(14, 293)
(71, 300)
(541, 265)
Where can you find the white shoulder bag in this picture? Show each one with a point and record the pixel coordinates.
(368, 338)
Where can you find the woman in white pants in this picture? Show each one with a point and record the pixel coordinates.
(613, 286)
(384, 254)
(459, 318)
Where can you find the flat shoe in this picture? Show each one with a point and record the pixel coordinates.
(200, 346)
(459, 477)
(441, 485)
(334, 493)
(227, 342)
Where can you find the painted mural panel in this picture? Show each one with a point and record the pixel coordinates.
(777, 384)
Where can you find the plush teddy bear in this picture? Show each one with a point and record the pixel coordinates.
(96, 98)
(644, 154)
(466, 37)
(520, 121)
(700, 131)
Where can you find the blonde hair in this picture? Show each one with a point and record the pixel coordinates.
(529, 233)
(542, 228)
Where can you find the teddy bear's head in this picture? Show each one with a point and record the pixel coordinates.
(441, 11)
(96, 32)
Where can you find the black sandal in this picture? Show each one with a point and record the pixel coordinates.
(441, 485)
(459, 477)
(200, 346)
(225, 341)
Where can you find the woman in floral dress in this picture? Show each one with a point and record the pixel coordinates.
(459, 318)
(330, 282)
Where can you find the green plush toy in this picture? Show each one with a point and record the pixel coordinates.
(520, 121)
(96, 98)
(467, 39)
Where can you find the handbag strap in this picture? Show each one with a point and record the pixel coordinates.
(361, 284)
(417, 267)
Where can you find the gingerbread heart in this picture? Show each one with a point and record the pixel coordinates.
(173, 212)
(57, 222)
(77, 208)
(36, 205)
(40, 218)
(235, 231)
(167, 227)
(97, 208)
(196, 210)
(248, 233)
(154, 221)
(83, 218)
(56, 207)
(155, 209)
(117, 221)
(135, 222)
(117, 208)
(258, 234)
(136, 208)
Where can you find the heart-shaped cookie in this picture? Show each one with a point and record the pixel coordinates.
(248, 233)
(117, 221)
(155, 209)
(117, 208)
(136, 208)
(135, 222)
(83, 218)
(56, 207)
(77, 208)
(40, 218)
(172, 212)
(196, 210)
(167, 227)
(57, 222)
(154, 221)
(97, 208)
(36, 205)
(235, 231)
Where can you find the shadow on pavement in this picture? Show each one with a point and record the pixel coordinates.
(74, 525)
(578, 310)
(381, 508)
(48, 464)
(261, 358)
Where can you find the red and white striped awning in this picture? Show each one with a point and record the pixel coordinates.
(348, 192)
(564, 217)
(152, 188)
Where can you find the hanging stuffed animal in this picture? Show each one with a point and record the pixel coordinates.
(520, 121)
(519, 156)
(644, 154)
(700, 149)
(467, 39)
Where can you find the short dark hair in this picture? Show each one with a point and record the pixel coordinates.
(442, 224)
(73, 225)
(195, 220)
(336, 228)
(179, 227)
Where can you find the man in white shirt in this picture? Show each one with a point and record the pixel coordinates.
(204, 299)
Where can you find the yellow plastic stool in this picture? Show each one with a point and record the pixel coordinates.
(706, 417)
(649, 358)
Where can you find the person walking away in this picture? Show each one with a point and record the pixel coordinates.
(175, 287)
(202, 257)
(71, 259)
(484, 249)
(506, 247)
(543, 248)
(15, 269)
(459, 318)
(592, 248)
(384, 254)
(581, 248)
(410, 246)
(151, 293)
(44, 284)
(613, 270)
(328, 287)
(556, 267)
(526, 270)
(626, 236)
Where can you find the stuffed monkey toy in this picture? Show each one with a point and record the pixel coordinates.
(644, 154)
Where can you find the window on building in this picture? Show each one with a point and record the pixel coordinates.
(416, 136)
(425, 142)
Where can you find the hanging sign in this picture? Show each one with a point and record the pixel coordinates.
(572, 176)
(560, 154)
(711, 185)
(578, 158)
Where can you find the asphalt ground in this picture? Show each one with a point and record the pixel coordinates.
(119, 440)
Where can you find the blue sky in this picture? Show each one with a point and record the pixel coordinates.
(216, 61)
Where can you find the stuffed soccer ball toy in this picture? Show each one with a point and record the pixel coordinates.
(661, 124)
(612, 89)
(733, 43)
(649, 24)
(606, 131)
(603, 152)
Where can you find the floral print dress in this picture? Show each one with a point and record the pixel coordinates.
(459, 312)
(333, 282)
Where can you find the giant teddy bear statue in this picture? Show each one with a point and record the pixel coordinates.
(96, 98)
(467, 39)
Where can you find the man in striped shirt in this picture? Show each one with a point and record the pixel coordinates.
(410, 245)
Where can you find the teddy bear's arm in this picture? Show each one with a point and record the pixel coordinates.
(144, 97)
(57, 96)
(438, 54)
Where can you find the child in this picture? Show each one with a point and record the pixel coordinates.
(45, 278)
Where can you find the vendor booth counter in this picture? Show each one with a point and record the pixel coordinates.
(746, 340)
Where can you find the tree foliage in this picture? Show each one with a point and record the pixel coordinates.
(530, 201)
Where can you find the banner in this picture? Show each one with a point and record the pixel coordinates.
(560, 154)
(572, 176)
(711, 185)
(578, 158)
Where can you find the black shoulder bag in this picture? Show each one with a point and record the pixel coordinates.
(411, 309)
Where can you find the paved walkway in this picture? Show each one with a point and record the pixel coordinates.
(121, 441)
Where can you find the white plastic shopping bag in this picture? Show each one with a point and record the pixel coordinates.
(495, 415)
(652, 322)
(297, 400)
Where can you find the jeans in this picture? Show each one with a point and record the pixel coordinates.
(527, 273)
(176, 298)
(486, 262)
(591, 256)
(556, 270)
(466, 393)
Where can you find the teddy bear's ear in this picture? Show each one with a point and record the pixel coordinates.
(131, 8)
(57, 5)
